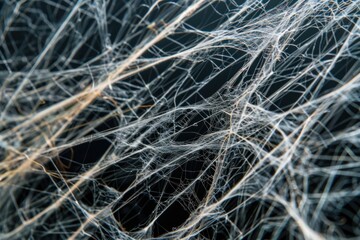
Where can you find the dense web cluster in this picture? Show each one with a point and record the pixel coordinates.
(190, 119)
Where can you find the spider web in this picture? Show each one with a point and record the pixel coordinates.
(182, 119)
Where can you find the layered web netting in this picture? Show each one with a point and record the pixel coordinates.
(187, 119)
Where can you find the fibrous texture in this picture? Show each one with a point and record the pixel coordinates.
(190, 119)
